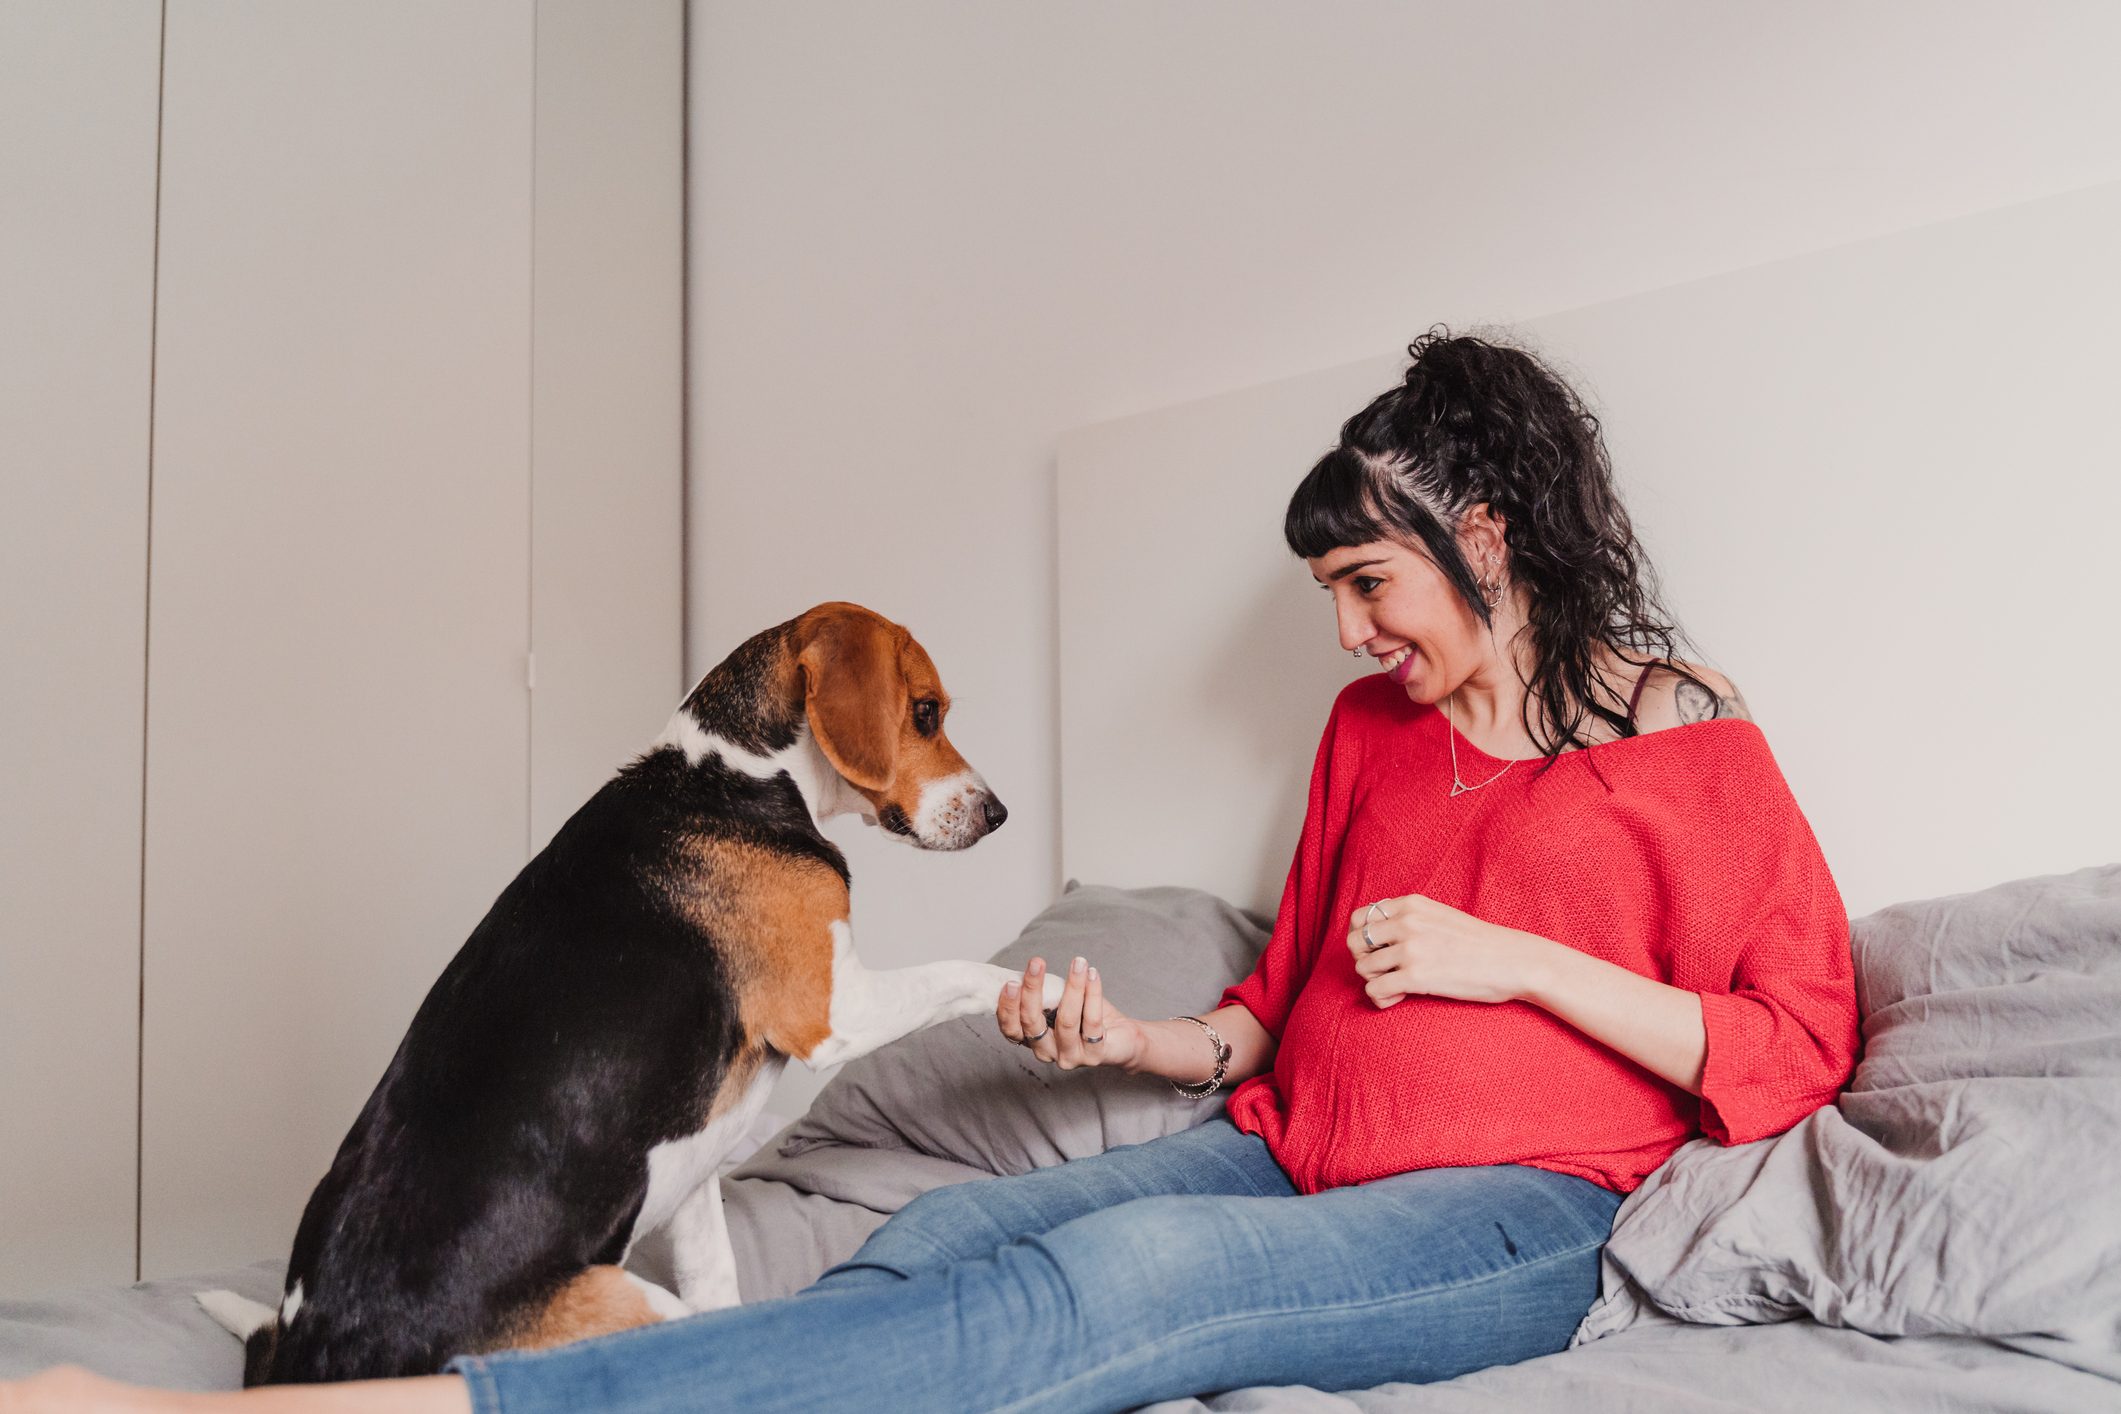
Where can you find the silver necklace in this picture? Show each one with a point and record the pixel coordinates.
(1458, 786)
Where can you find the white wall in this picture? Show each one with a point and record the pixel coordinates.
(77, 161)
(607, 373)
(929, 236)
(1880, 483)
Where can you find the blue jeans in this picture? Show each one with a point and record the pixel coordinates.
(1181, 1266)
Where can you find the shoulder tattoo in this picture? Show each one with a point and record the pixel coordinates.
(1698, 704)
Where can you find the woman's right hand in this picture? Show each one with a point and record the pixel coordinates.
(1083, 1013)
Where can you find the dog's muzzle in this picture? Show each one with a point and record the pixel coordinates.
(956, 813)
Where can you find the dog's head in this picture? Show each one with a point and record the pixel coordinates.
(875, 707)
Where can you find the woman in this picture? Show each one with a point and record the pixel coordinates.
(1493, 1002)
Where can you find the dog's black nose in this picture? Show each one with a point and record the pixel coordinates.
(996, 813)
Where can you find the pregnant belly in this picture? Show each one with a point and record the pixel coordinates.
(1432, 1082)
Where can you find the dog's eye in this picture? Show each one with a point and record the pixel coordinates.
(927, 716)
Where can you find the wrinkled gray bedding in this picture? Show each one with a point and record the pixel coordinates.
(1943, 1239)
(1967, 1182)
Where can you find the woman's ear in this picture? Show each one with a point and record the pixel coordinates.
(1480, 537)
(854, 697)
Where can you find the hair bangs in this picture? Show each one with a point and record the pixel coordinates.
(1336, 505)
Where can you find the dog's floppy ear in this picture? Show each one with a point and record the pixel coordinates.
(854, 694)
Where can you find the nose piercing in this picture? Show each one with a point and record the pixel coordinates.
(1356, 651)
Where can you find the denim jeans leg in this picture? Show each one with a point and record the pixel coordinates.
(1420, 1276)
(950, 1224)
(1414, 1278)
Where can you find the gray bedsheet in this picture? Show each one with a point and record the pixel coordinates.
(155, 1334)
(1795, 1367)
(954, 1104)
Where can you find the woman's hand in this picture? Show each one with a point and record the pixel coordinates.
(1419, 947)
(1066, 1037)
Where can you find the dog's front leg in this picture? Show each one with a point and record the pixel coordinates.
(700, 1250)
(872, 1009)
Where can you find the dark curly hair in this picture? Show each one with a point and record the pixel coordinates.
(1478, 421)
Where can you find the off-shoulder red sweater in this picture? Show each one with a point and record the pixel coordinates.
(1679, 854)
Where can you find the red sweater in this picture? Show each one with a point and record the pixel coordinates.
(1679, 854)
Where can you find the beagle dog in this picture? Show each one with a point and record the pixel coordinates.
(614, 1023)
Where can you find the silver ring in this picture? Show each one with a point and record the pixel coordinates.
(1092, 1040)
(1027, 1040)
(1367, 941)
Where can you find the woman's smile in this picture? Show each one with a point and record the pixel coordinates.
(1398, 663)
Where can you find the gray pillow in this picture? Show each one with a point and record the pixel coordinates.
(1967, 1182)
(959, 1091)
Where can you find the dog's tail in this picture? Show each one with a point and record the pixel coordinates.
(239, 1316)
(255, 1324)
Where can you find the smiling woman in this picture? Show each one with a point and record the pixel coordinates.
(1469, 531)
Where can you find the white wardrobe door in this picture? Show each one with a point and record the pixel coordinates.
(607, 573)
(337, 755)
(77, 246)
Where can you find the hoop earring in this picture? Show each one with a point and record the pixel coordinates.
(1491, 590)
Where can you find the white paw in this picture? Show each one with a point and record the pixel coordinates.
(1055, 983)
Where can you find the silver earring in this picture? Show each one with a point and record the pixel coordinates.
(1491, 590)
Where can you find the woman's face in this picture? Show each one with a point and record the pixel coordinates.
(1392, 603)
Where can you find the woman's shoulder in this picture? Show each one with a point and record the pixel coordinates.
(1677, 694)
(1730, 774)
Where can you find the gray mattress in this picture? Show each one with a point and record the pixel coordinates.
(1804, 1317)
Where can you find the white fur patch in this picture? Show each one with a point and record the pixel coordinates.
(292, 1304)
(825, 793)
(660, 1301)
(239, 1316)
(678, 1166)
(686, 734)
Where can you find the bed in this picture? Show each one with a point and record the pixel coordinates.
(1946, 1237)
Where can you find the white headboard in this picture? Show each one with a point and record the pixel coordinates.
(1882, 484)
(1197, 658)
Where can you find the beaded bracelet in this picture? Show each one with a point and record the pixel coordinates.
(1201, 1089)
